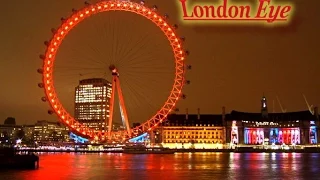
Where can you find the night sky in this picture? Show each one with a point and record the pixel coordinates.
(232, 66)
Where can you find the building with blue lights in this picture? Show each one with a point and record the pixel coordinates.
(239, 128)
(289, 128)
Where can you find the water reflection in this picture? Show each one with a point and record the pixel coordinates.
(178, 166)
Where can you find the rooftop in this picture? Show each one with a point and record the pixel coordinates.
(94, 81)
(194, 119)
(287, 116)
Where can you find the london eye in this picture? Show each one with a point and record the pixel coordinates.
(131, 46)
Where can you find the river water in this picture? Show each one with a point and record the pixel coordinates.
(198, 166)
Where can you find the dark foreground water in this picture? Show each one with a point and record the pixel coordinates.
(199, 166)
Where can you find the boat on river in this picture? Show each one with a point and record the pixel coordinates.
(140, 149)
(11, 160)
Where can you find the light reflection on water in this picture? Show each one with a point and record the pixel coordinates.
(178, 166)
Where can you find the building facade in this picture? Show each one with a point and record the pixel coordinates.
(9, 133)
(28, 131)
(290, 128)
(92, 101)
(42, 131)
(191, 131)
(50, 132)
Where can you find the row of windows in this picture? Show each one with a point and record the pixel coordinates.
(186, 124)
(180, 132)
(85, 111)
(280, 122)
(91, 106)
(90, 113)
(91, 118)
(192, 128)
(292, 125)
(95, 84)
(196, 141)
(90, 100)
(89, 88)
(205, 137)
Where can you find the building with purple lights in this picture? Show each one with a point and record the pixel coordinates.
(289, 128)
(241, 128)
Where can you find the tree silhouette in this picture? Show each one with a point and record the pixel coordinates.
(10, 121)
(20, 134)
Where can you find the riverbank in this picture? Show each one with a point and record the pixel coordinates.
(236, 150)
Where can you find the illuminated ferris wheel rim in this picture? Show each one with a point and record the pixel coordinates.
(70, 23)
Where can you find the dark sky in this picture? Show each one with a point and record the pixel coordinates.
(231, 66)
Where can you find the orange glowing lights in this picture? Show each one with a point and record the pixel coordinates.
(71, 22)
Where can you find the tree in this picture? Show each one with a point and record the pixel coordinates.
(10, 121)
(20, 134)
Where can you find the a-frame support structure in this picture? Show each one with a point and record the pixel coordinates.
(123, 110)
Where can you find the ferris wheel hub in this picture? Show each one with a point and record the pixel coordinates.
(114, 70)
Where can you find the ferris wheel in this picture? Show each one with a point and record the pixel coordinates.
(118, 62)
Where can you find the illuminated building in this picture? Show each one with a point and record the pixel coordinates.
(28, 133)
(42, 131)
(46, 131)
(288, 128)
(11, 133)
(92, 98)
(199, 131)
(8, 133)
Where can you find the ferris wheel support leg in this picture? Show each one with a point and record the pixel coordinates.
(123, 107)
(114, 84)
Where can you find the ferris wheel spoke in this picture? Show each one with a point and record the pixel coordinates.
(117, 44)
(150, 51)
(148, 62)
(112, 46)
(72, 80)
(91, 41)
(98, 53)
(78, 54)
(151, 62)
(132, 42)
(145, 57)
(151, 65)
(78, 68)
(110, 37)
(86, 50)
(124, 46)
(136, 88)
(151, 85)
(113, 38)
(143, 103)
(152, 81)
(66, 71)
(88, 75)
(137, 47)
(132, 103)
(148, 83)
(136, 94)
(101, 29)
(140, 100)
(150, 70)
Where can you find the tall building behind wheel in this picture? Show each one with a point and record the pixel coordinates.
(92, 102)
